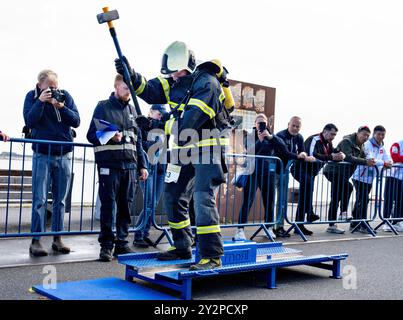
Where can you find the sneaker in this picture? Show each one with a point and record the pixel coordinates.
(344, 216)
(386, 228)
(281, 233)
(36, 249)
(206, 264)
(363, 230)
(399, 226)
(312, 217)
(122, 250)
(304, 230)
(140, 243)
(334, 229)
(105, 255)
(149, 242)
(271, 232)
(240, 235)
(174, 254)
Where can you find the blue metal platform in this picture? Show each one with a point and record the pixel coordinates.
(239, 256)
(102, 289)
(269, 256)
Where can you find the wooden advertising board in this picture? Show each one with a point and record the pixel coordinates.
(250, 99)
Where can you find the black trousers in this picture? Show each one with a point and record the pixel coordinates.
(362, 191)
(115, 186)
(393, 198)
(341, 189)
(306, 184)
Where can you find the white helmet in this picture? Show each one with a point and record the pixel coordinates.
(177, 57)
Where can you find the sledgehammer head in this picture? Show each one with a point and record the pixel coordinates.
(108, 16)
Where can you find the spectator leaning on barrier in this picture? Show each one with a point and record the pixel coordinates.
(50, 113)
(118, 161)
(393, 196)
(263, 175)
(363, 176)
(339, 174)
(4, 137)
(154, 186)
(295, 150)
(321, 148)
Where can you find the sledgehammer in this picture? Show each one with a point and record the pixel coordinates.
(109, 16)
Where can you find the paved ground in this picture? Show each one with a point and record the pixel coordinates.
(377, 262)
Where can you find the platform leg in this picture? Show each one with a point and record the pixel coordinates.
(256, 232)
(336, 272)
(271, 278)
(128, 276)
(186, 293)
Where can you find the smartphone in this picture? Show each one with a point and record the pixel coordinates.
(262, 126)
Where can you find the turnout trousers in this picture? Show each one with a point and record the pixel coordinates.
(201, 181)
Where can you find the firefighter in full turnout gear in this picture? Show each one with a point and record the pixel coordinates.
(196, 96)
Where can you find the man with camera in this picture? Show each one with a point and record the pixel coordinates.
(50, 113)
(118, 161)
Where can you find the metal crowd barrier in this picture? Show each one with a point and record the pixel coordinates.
(315, 190)
(391, 186)
(244, 206)
(16, 189)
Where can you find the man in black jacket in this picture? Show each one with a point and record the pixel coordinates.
(295, 150)
(118, 161)
(263, 175)
(319, 146)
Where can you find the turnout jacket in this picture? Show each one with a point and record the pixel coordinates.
(197, 112)
(49, 123)
(127, 154)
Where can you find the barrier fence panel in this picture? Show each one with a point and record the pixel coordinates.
(16, 189)
(331, 193)
(391, 190)
(248, 196)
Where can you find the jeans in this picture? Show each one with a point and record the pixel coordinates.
(47, 169)
(393, 205)
(152, 191)
(266, 183)
(283, 206)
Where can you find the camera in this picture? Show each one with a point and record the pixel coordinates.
(262, 126)
(58, 95)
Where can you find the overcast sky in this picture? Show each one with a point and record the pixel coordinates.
(330, 61)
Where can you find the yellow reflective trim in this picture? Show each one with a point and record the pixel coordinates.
(179, 225)
(165, 86)
(173, 105)
(204, 143)
(168, 126)
(114, 147)
(208, 229)
(203, 107)
(142, 86)
(222, 95)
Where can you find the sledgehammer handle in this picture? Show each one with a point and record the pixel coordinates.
(126, 70)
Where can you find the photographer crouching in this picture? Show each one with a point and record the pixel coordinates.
(50, 113)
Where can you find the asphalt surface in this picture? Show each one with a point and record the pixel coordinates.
(378, 264)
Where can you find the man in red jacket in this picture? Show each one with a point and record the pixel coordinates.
(393, 206)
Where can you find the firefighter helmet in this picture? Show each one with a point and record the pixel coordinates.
(177, 57)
